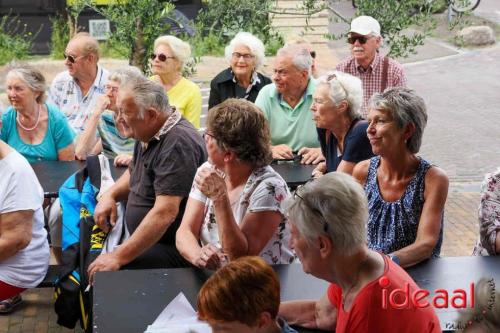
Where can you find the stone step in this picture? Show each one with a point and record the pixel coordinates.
(300, 21)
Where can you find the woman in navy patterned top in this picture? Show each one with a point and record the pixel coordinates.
(406, 195)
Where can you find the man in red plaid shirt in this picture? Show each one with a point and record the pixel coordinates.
(375, 71)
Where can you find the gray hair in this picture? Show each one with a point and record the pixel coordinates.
(301, 57)
(123, 74)
(180, 49)
(255, 45)
(406, 107)
(33, 78)
(146, 94)
(344, 87)
(337, 200)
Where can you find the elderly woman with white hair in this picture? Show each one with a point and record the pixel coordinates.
(327, 220)
(169, 56)
(245, 54)
(341, 129)
(406, 194)
(36, 129)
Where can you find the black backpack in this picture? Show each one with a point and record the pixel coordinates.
(82, 242)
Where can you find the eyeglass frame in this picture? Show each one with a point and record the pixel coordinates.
(72, 59)
(246, 56)
(161, 57)
(205, 134)
(362, 39)
(311, 207)
(107, 87)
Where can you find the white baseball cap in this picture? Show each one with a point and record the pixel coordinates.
(365, 25)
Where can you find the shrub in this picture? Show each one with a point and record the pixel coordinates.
(15, 39)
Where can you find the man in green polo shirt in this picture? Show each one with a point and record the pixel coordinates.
(286, 104)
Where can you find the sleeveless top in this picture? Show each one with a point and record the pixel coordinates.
(393, 225)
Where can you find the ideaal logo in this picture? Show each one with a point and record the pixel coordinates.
(402, 298)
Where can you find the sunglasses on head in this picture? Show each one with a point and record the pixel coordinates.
(160, 56)
(72, 59)
(299, 193)
(361, 39)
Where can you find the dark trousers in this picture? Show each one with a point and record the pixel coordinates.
(159, 256)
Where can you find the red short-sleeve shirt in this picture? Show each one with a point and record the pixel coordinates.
(368, 314)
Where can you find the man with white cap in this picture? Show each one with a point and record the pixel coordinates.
(375, 71)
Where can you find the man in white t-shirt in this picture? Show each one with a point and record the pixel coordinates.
(24, 250)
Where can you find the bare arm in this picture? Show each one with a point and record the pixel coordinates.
(87, 140)
(149, 232)
(188, 234)
(248, 239)
(346, 167)
(67, 153)
(318, 314)
(429, 226)
(106, 207)
(15, 232)
(360, 171)
(151, 228)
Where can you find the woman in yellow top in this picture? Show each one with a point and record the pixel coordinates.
(170, 55)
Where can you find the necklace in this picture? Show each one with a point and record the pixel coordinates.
(36, 123)
(344, 296)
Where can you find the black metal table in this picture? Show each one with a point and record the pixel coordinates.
(293, 172)
(128, 301)
(52, 174)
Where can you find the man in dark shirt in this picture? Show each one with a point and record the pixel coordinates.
(156, 186)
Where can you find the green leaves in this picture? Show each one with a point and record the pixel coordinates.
(15, 39)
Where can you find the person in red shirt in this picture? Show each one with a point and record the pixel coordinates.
(327, 218)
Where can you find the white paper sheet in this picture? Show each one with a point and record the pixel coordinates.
(178, 317)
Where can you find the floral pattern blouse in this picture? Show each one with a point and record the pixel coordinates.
(265, 190)
(489, 215)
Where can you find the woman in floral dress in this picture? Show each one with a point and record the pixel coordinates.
(235, 205)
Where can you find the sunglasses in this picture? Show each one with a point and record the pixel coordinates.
(361, 39)
(160, 56)
(71, 59)
(299, 194)
(313, 54)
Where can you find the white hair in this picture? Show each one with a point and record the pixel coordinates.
(255, 45)
(124, 74)
(301, 58)
(336, 200)
(344, 87)
(146, 94)
(180, 49)
(32, 76)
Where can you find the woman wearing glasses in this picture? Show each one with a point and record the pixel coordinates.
(235, 205)
(102, 133)
(245, 54)
(37, 130)
(406, 194)
(169, 57)
(341, 130)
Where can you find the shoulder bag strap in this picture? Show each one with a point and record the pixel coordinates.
(385, 68)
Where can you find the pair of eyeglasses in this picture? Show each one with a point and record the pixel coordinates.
(313, 54)
(72, 59)
(162, 57)
(111, 88)
(205, 135)
(245, 56)
(361, 39)
(299, 194)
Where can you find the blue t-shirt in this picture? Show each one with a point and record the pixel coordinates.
(357, 147)
(58, 136)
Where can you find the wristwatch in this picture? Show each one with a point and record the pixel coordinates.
(394, 258)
